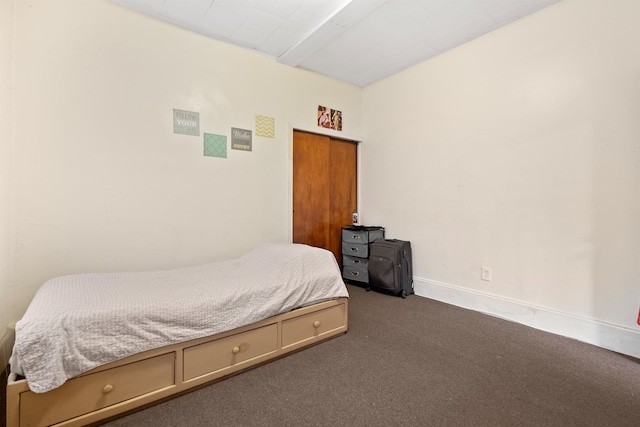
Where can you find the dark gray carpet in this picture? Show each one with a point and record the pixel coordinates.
(419, 362)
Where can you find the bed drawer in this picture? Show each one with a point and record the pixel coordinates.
(223, 353)
(91, 392)
(313, 325)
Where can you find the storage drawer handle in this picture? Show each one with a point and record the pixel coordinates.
(354, 249)
(356, 261)
(240, 348)
(316, 324)
(356, 236)
(355, 273)
(107, 389)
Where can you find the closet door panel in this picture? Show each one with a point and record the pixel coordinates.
(324, 189)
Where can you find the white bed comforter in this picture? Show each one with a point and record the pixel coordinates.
(76, 323)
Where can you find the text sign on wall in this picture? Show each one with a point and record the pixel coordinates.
(241, 139)
(186, 122)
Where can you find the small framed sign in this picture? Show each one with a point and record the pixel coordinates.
(241, 139)
(186, 122)
(215, 145)
(265, 126)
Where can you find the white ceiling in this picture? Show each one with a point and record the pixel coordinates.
(357, 41)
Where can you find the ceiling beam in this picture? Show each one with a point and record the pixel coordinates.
(350, 13)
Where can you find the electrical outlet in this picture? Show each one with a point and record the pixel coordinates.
(486, 274)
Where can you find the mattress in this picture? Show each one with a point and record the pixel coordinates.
(78, 322)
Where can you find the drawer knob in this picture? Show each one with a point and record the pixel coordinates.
(316, 324)
(236, 350)
(107, 389)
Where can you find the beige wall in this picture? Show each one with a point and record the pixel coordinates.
(6, 155)
(519, 151)
(101, 181)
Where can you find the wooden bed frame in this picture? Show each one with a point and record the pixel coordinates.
(148, 377)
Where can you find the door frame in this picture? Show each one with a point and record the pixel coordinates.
(325, 132)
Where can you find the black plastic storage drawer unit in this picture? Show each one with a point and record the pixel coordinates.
(356, 242)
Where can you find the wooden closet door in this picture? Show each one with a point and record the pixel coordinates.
(324, 189)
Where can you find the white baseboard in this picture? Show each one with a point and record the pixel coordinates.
(6, 346)
(611, 337)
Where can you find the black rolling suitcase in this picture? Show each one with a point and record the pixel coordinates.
(390, 268)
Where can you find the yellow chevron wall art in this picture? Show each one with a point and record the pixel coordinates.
(265, 126)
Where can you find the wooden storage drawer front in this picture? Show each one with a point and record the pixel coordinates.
(91, 392)
(312, 325)
(218, 354)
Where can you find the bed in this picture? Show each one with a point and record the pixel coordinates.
(91, 346)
